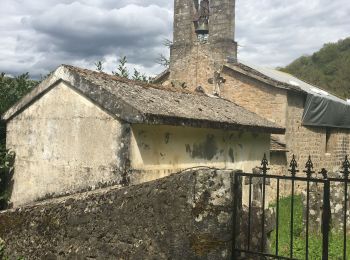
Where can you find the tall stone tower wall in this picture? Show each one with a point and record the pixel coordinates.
(184, 11)
(193, 61)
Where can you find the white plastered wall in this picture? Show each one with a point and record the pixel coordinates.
(63, 142)
(157, 151)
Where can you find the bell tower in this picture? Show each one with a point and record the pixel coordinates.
(204, 37)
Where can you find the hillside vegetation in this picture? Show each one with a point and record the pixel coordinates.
(329, 68)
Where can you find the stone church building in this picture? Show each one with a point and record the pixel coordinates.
(204, 60)
(81, 129)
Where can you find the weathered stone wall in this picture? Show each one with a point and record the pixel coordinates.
(192, 66)
(193, 62)
(260, 98)
(183, 32)
(286, 109)
(338, 146)
(222, 21)
(221, 24)
(250, 230)
(184, 216)
(268, 102)
(304, 141)
(71, 145)
(337, 205)
(157, 151)
(327, 147)
(278, 166)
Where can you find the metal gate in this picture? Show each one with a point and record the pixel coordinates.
(309, 178)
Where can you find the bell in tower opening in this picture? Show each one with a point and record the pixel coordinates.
(202, 19)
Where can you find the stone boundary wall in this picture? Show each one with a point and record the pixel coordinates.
(337, 199)
(184, 216)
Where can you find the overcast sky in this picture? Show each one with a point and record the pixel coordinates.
(38, 35)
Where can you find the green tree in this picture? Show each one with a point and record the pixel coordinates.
(99, 66)
(137, 75)
(11, 90)
(162, 59)
(6, 171)
(122, 70)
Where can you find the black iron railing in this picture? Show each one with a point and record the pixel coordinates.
(242, 245)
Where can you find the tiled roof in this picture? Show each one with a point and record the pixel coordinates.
(137, 102)
(277, 146)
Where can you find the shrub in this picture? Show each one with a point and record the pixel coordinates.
(7, 158)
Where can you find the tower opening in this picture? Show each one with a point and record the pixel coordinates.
(201, 20)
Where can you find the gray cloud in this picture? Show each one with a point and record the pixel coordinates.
(71, 30)
(81, 32)
(38, 35)
(275, 32)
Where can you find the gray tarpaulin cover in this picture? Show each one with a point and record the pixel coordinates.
(321, 108)
(321, 111)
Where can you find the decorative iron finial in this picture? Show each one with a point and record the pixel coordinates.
(324, 173)
(346, 168)
(309, 167)
(264, 164)
(293, 166)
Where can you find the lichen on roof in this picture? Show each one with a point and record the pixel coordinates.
(138, 102)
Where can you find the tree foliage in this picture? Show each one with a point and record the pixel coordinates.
(162, 59)
(11, 90)
(122, 71)
(329, 68)
(99, 66)
(7, 158)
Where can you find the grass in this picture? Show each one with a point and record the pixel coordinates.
(299, 244)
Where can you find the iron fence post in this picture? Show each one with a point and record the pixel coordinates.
(277, 214)
(309, 171)
(326, 214)
(346, 173)
(249, 212)
(293, 170)
(235, 225)
(264, 169)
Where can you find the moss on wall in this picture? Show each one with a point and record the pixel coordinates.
(177, 217)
